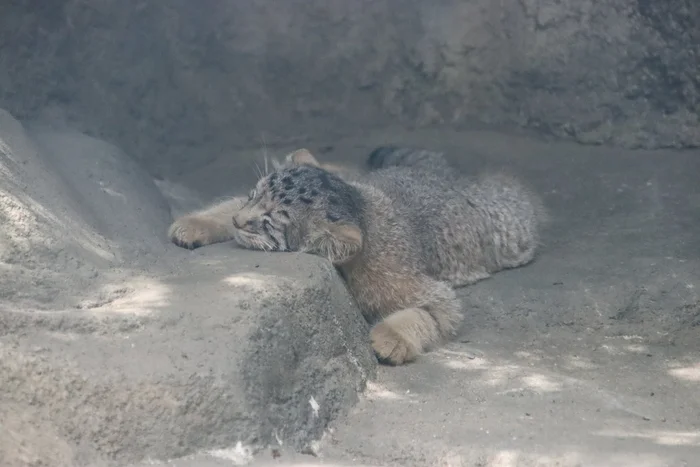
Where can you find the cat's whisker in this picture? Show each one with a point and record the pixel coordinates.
(264, 152)
(258, 172)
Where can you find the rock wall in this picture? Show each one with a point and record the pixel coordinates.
(179, 83)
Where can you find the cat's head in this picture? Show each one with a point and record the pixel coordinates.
(302, 207)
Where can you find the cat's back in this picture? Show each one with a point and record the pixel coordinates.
(414, 192)
(419, 199)
(464, 228)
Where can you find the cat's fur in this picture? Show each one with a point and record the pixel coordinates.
(401, 236)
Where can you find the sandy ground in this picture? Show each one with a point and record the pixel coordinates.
(589, 356)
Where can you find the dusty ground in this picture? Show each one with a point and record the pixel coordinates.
(589, 356)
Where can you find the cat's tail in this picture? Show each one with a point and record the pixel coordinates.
(396, 156)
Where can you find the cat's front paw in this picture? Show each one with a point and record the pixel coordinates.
(193, 232)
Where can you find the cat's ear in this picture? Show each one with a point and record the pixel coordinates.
(339, 242)
(302, 157)
(277, 165)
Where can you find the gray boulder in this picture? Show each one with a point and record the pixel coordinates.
(116, 346)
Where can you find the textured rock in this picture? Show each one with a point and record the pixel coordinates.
(73, 209)
(176, 84)
(117, 346)
(202, 359)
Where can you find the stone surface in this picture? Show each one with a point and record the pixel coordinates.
(232, 349)
(74, 210)
(176, 85)
(117, 346)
